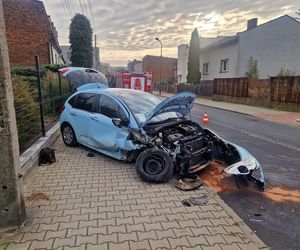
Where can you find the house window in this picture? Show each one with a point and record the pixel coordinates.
(69, 55)
(224, 65)
(205, 69)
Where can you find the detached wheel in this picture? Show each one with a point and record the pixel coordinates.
(68, 135)
(154, 165)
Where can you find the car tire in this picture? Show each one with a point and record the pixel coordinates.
(154, 165)
(68, 135)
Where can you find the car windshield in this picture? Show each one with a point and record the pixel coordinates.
(141, 104)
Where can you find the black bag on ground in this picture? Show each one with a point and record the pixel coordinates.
(47, 156)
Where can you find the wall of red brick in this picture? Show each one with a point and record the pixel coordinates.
(28, 31)
(152, 64)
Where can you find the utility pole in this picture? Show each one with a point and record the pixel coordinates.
(12, 207)
(97, 57)
(160, 63)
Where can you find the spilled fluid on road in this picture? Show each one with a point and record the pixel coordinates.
(219, 181)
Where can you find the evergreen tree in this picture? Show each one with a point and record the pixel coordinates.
(194, 74)
(80, 38)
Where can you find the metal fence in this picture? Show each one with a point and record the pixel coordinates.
(285, 89)
(38, 102)
(280, 90)
(237, 87)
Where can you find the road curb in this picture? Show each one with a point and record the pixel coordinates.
(29, 159)
(247, 230)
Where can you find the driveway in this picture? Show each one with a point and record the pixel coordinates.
(97, 202)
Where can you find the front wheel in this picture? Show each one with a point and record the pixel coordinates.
(68, 135)
(154, 165)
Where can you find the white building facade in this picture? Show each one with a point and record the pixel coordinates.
(275, 45)
(183, 51)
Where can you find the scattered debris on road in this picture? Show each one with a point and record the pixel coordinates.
(196, 201)
(219, 181)
(189, 184)
(215, 178)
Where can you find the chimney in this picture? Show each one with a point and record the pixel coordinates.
(252, 23)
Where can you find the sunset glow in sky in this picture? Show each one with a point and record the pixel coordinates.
(126, 28)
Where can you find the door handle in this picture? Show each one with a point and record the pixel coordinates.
(73, 113)
(94, 118)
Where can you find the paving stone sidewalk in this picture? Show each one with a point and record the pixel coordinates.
(284, 117)
(100, 203)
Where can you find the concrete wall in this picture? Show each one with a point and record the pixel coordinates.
(65, 49)
(55, 56)
(274, 44)
(183, 51)
(214, 57)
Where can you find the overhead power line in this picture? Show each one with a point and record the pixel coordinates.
(80, 3)
(92, 14)
(67, 7)
(84, 7)
(71, 6)
(63, 4)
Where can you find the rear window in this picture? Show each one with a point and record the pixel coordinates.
(86, 101)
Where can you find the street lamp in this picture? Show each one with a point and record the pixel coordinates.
(157, 39)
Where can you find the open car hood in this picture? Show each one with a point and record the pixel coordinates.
(181, 103)
(78, 76)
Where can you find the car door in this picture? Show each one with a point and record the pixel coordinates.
(80, 113)
(103, 134)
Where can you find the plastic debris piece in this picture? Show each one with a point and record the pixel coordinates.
(189, 185)
(196, 201)
(90, 154)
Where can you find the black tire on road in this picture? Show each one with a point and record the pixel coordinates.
(68, 135)
(154, 165)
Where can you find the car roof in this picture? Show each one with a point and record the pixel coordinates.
(113, 91)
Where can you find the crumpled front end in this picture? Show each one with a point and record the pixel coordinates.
(240, 162)
(247, 166)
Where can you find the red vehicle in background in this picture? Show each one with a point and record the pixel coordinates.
(138, 81)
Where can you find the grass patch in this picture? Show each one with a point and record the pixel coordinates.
(4, 244)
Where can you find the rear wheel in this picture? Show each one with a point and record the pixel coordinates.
(68, 135)
(154, 165)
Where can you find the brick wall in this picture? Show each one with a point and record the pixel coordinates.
(152, 64)
(28, 31)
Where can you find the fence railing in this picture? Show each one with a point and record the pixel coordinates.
(275, 89)
(37, 104)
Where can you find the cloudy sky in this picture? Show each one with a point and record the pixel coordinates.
(126, 28)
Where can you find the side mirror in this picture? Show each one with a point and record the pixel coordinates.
(117, 122)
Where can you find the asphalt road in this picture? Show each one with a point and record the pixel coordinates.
(277, 148)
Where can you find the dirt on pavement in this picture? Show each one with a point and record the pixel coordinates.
(219, 181)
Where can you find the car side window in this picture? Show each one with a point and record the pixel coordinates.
(86, 101)
(72, 100)
(111, 108)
